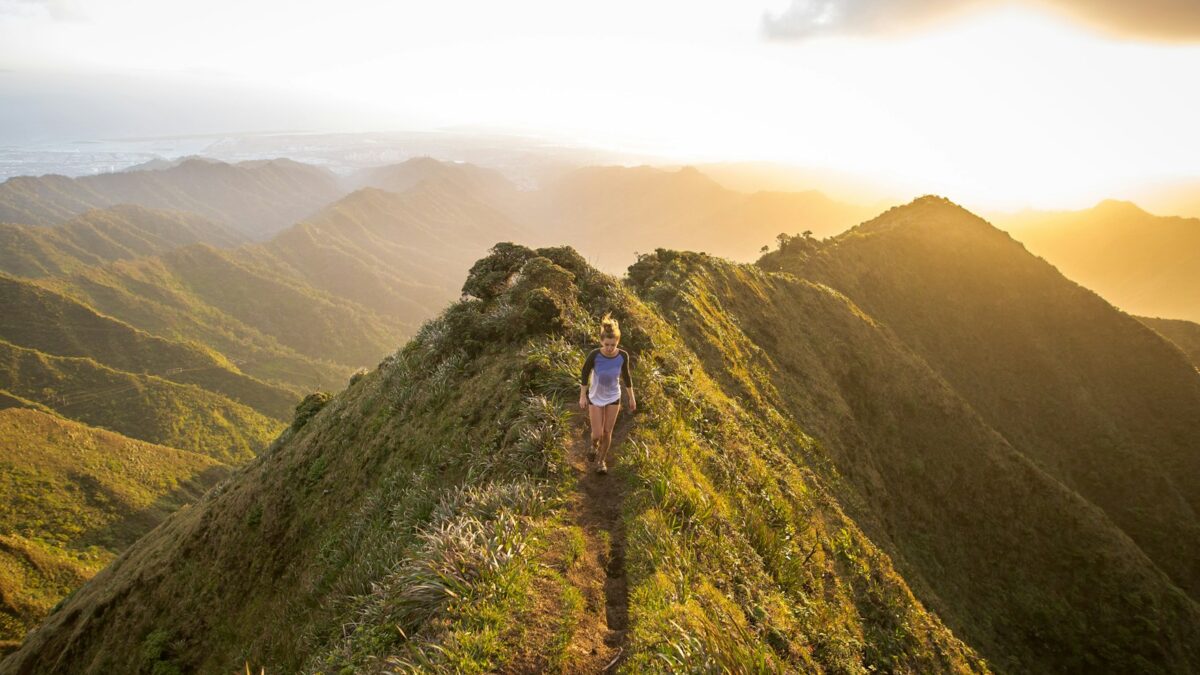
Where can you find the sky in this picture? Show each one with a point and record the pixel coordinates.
(1045, 103)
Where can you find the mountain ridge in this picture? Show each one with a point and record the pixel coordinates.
(757, 521)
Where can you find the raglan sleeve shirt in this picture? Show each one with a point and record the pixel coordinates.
(606, 375)
(588, 364)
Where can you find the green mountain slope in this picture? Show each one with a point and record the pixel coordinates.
(11, 400)
(100, 235)
(256, 198)
(71, 497)
(279, 331)
(40, 319)
(1185, 335)
(1098, 400)
(1019, 566)
(145, 407)
(320, 299)
(460, 533)
(399, 254)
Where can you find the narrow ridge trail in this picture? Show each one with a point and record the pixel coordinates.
(598, 643)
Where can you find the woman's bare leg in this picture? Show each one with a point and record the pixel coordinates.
(596, 417)
(610, 421)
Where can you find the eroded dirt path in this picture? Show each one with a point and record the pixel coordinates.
(598, 643)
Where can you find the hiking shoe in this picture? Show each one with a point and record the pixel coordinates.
(603, 468)
(591, 455)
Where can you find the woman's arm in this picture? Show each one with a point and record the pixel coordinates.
(588, 364)
(627, 379)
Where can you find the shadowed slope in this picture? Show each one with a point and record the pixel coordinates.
(1101, 402)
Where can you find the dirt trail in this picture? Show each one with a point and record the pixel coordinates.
(598, 643)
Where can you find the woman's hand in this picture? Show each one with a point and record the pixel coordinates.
(583, 401)
(632, 402)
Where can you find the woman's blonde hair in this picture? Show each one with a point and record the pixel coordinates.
(609, 327)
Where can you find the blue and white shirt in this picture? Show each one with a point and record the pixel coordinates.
(608, 373)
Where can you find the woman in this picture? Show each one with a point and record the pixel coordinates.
(608, 367)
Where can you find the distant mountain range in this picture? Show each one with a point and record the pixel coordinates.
(255, 198)
(1143, 263)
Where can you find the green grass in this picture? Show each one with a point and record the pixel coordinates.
(145, 407)
(71, 499)
(39, 319)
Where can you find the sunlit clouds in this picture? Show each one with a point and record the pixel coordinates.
(1163, 20)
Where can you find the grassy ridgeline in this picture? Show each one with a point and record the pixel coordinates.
(418, 518)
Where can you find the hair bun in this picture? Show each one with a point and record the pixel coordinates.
(609, 327)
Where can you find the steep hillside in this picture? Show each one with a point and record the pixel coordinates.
(71, 498)
(145, 407)
(403, 254)
(1185, 335)
(1098, 400)
(1018, 565)
(37, 318)
(1140, 262)
(11, 400)
(255, 198)
(435, 515)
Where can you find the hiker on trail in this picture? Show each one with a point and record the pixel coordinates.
(608, 367)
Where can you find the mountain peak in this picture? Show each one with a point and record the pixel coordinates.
(1118, 207)
(930, 214)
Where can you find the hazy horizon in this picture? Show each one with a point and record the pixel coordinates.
(1047, 104)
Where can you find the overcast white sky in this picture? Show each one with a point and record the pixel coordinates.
(1058, 101)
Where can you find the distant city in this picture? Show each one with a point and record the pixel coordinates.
(341, 153)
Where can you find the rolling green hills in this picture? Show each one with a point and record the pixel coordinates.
(278, 331)
(101, 235)
(36, 318)
(799, 490)
(302, 310)
(452, 542)
(1018, 565)
(71, 498)
(145, 407)
(403, 254)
